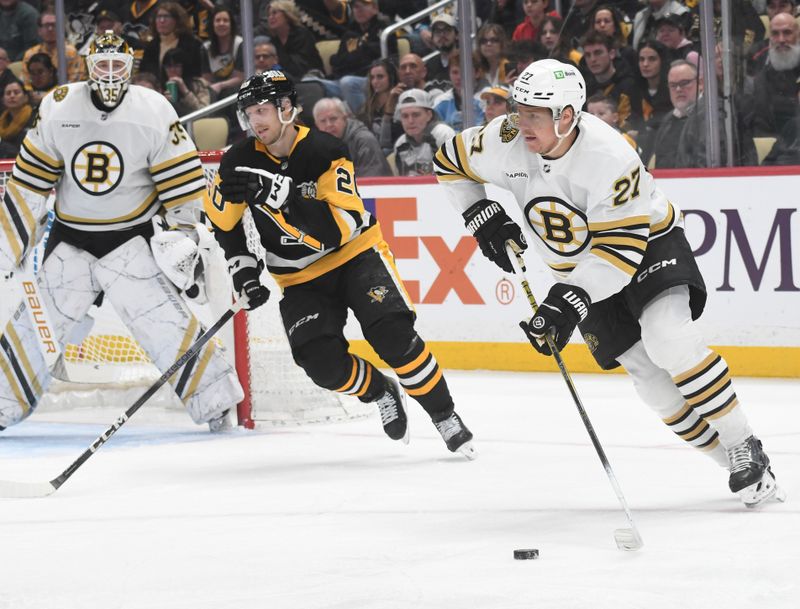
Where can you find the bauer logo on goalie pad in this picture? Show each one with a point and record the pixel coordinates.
(97, 168)
(39, 319)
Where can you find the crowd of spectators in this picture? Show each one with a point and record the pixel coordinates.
(640, 59)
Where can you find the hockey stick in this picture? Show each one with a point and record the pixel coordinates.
(43, 489)
(627, 539)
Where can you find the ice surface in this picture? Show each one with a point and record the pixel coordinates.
(167, 516)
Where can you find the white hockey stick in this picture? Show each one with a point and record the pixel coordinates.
(21, 490)
(627, 539)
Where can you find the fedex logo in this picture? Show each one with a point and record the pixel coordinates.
(451, 275)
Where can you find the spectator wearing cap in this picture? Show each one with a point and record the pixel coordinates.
(333, 117)
(107, 20)
(449, 105)
(776, 86)
(423, 134)
(645, 20)
(444, 37)
(47, 32)
(18, 31)
(671, 33)
(496, 101)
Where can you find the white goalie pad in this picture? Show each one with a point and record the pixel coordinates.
(67, 289)
(23, 216)
(163, 325)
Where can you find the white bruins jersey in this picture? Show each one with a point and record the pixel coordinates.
(111, 170)
(592, 211)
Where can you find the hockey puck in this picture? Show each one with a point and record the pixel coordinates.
(526, 554)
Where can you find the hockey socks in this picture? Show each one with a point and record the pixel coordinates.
(422, 379)
(364, 381)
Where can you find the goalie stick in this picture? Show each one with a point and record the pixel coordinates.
(20, 490)
(626, 539)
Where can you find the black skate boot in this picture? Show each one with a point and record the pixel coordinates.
(456, 436)
(751, 476)
(392, 406)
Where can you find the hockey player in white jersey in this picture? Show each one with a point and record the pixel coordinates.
(625, 273)
(121, 164)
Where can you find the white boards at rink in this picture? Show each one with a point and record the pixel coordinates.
(743, 226)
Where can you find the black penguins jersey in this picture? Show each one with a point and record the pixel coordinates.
(323, 225)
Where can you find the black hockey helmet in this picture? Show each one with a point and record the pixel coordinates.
(270, 86)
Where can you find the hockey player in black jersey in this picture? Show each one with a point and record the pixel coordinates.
(327, 254)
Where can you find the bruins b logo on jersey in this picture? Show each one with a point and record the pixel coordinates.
(97, 168)
(561, 226)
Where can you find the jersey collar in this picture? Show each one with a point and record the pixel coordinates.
(302, 132)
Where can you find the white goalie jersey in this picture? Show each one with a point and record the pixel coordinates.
(592, 211)
(111, 170)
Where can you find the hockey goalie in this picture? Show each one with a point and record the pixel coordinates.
(129, 186)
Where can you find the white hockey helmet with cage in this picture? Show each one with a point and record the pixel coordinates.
(109, 63)
(549, 83)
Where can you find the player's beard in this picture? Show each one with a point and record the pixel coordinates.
(785, 60)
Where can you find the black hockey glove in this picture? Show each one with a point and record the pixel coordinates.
(565, 306)
(490, 225)
(256, 186)
(245, 271)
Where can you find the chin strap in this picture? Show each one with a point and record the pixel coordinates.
(558, 135)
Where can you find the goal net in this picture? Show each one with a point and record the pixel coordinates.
(104, 365)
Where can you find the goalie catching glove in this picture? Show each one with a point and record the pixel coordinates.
(177, 254)
(563, 309)
(490, 225)
(245, 273)
(256, 186)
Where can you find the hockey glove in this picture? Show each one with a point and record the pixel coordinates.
(490, 225)
(245, 271)
(565, 306)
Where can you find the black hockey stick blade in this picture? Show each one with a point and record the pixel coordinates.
(27, 490)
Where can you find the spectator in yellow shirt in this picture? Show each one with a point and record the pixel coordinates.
(47, 32)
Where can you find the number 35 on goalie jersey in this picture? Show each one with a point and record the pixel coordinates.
(592, 210)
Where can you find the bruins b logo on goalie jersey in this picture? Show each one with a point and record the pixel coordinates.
(97, 168)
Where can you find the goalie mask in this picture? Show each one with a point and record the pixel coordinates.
(110, 67)
(272, 86)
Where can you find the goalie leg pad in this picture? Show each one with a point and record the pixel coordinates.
(67, 289)
(154, 312)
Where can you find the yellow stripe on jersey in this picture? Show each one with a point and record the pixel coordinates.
(224, 215)
(43, 158)
(630, 223)
(370, 237)
(441, 158)
(139, 211)
(45, 192)
(180, 180)
(563, 267)
(192, 195)
(659, 228)
(337, 186)
(463, 160)
(622, 241)
(36, 171)
(615, 259)
(277, 217)
(192, 154)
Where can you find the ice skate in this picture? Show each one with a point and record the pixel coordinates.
(392, 406)
(220, 422)
(456, 436)
(751, 476)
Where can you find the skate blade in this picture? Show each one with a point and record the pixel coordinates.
(628, 539)
(775, 494)
(468, 450)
